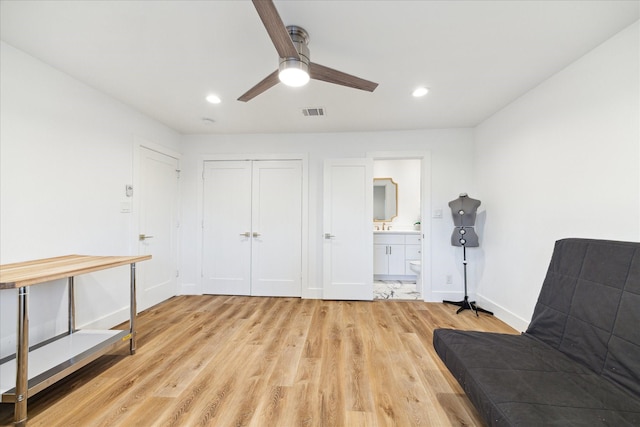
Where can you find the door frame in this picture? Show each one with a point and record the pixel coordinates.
(425, 209)
(303, 158)
(139, 144)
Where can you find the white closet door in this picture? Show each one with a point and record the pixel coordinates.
(226, 246)
(348, 229)
(277, 228)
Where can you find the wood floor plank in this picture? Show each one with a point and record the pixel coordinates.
(357, 385)
(253, 361)
(331, 385)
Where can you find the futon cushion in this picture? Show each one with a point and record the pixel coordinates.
(519, 380)
(589, 307)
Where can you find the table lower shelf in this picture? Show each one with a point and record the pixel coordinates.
(59, 358)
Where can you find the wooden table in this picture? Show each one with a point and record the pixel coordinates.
(56, 358)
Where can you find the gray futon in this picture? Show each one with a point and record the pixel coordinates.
(578, 363)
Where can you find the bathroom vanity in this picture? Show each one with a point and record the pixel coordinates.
(393, 251)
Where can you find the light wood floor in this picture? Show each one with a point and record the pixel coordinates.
(234, 361)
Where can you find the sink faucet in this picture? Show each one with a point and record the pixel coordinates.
(383, 224)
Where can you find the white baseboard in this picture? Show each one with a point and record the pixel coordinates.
(189, 289)
(511, 319)
(439, 296)
(108, 321)
(312, 293)
(194, 289)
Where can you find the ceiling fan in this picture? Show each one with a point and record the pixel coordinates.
(295, 68)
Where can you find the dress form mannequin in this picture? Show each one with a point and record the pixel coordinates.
(463, 211)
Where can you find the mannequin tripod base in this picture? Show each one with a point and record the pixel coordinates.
(465, 304)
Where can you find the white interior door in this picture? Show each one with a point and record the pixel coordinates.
(348, 230)
(276, 257)
(227, 234)
(158, 222)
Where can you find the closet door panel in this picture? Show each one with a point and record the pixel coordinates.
(277, 228)
(226, 246)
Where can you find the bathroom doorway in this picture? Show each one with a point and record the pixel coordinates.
(398, 235)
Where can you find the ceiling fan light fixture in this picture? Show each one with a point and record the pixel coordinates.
(293, 73)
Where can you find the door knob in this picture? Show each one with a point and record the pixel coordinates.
(328, 236)
(246, 234)
(144, 237)
(255, 234)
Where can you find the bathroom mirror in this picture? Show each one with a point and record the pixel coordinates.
(385, 199)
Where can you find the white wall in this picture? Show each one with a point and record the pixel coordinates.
(451, 172)
(561, 161)
(66, 154)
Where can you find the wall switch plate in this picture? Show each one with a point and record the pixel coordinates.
(437, 213)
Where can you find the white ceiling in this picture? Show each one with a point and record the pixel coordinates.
(164, 57)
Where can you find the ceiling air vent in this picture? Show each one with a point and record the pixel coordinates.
(313, 112)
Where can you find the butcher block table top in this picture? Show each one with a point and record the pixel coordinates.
(21, 274)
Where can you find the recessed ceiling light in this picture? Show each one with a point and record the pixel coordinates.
(214, 99)
(421, 91)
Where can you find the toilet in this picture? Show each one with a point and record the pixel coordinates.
(416, 267)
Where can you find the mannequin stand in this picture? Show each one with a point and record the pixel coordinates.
(465, 304)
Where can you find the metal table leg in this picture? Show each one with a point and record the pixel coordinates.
(133, 309)
(22, 359)
(72, 306)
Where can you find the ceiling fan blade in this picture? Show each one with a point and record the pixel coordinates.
(266, 83)
(276, 29)
(326, 74)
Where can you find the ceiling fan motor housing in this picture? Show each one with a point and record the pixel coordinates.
(300, 40)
